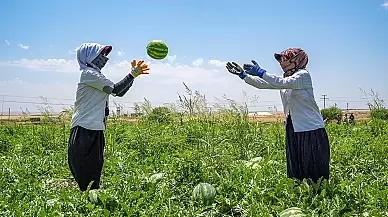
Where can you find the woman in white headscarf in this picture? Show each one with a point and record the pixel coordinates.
(86, 142)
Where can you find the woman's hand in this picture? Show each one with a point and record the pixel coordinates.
(254, 69)
(139, 68)
(235, 69)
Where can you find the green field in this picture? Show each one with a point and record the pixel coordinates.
(35, 179)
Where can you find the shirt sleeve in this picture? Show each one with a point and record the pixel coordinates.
(121, 87)
(96, 80)
(258, 82)
(299, 80)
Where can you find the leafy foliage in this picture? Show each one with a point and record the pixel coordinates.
(35, 179)
(331, 113)
(152, 166)
(160, 115)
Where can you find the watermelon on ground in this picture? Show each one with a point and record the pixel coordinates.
(156, 177)
(292, 212)
(254, 163)
(206, 192)
(94, 197)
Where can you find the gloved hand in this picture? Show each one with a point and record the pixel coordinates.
(254, 69)
(139, 68)
(235, 69)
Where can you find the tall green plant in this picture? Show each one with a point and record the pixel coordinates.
(376, 105)
(194, 104)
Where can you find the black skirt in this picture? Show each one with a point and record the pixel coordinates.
(86, 156)
(308, 153)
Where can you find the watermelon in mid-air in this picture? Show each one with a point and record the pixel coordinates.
(157, 49)
(205, 192)
(292, 212)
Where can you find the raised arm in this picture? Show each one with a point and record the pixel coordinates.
(299, 80)
(258, 82)
(100, 82)
(120, 88)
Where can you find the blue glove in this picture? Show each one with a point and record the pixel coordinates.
(254, 69)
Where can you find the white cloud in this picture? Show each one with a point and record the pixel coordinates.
(171, 59)
(385, 4)
(7, 42)
(25, 47)
(160, 86)
(13, 81)
(165, 69)
(198, 62)
(120, 53)
(55, 65)
(217, 63)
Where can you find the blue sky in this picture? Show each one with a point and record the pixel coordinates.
(346, 42)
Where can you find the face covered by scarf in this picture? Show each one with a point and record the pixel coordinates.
(93, 55)
(291, 60)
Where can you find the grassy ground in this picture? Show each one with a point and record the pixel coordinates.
(35, 179)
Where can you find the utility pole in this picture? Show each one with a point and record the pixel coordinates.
(347, 106)
(324, 100)
(2, 106)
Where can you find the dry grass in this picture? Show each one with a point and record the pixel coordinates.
(359, 115)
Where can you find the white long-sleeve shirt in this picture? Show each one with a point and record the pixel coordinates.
(297, 97)
(91, 100)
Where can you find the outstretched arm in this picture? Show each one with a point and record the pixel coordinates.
(258, 83)
(299, 80)
(120, 88)
(100, 82)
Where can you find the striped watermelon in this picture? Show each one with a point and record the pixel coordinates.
(206, 192)
(156, 177)
(292, 212)
(157, 49)
(94, 197)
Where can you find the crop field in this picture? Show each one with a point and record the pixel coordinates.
(35, 179)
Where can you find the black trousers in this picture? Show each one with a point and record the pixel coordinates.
(308, 153)
(86, 156)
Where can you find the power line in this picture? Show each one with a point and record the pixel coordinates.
(49, 103)
(353, 97)
(34, 97)
(114, 102)
(347, 100)
(38, 103)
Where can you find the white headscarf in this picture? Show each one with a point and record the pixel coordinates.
(87, 52)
